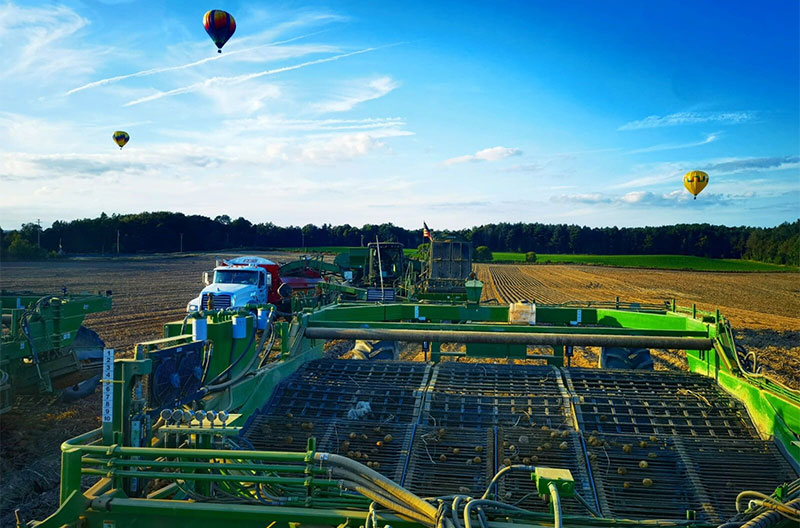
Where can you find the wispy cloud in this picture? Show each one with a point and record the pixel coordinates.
(689, 118)
(651, 199)
(39, 43)
(710, 138)
(659, 173)
(755, 164)
(523, 167)
(357, 92)
(242, 78)
(488, 154)
(153, 71)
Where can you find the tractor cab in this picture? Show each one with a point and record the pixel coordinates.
(386, 264)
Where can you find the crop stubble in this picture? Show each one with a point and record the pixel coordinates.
(764, 308)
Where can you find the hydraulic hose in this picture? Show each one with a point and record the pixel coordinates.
(773, 516)
(238, 359)
(359, 484)
(557, 523)
(183, 326)
(515, 467)
(382, 500)
(363, 482)
(268, 350)
(207, 360)
(393, 489)
(215, 388)
(454, 510)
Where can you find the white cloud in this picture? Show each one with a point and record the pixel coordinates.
(688, 118)
(355, 93)
(648, 199)
(488, 154)
(240, 99)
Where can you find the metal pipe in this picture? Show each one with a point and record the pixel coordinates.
(140, 463)
(510, 338)
(167, 475)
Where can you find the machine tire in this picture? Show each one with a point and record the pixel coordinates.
(625, 358)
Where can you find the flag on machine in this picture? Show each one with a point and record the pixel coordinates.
(426, 233)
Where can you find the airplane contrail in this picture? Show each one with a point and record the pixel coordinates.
(153, 71)
(242, 78)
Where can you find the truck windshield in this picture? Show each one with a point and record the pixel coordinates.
(236, 277)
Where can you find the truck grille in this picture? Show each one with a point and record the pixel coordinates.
(221, 300)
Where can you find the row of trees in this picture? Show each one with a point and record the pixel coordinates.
(171, 232)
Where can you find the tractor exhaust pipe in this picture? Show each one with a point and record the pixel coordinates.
(511, 338)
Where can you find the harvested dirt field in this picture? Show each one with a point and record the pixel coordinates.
(763, 308)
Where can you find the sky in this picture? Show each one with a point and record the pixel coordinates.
(452, 113)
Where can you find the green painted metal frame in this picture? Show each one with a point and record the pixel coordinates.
(775, 411)
(53, 323)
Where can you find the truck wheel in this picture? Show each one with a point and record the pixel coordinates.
(625, 358)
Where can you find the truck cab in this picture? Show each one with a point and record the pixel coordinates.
(238, 282)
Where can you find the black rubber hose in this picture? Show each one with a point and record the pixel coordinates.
(238, 359)
(226, 384)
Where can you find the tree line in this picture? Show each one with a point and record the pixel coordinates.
(159, 232)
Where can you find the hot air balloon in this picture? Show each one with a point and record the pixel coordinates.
(695, 181)
(120, 138)
(220, 26)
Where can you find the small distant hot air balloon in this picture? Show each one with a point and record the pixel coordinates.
(120, 138)
(220, 26)
(695, 181)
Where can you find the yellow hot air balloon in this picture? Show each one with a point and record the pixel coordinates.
(120, 138)
(695, 181)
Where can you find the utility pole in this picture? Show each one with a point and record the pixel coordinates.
(181, 242)
(39, 233)
(117, 241)
(303, 238)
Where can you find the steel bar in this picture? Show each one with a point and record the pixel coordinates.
(509, 338)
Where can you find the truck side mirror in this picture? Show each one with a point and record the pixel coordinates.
(206, 280)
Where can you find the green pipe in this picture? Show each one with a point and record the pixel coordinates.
(210, 477)
(509, 338)
(281, 456)
(196, 465)
(214, 514)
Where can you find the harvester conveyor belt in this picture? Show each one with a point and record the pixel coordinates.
(639, 444)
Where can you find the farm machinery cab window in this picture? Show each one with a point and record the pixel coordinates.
(236, 277)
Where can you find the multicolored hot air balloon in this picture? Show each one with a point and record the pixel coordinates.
(120, 138)
(220, 26)
(695, 181)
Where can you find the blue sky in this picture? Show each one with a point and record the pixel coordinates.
(455, 113)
